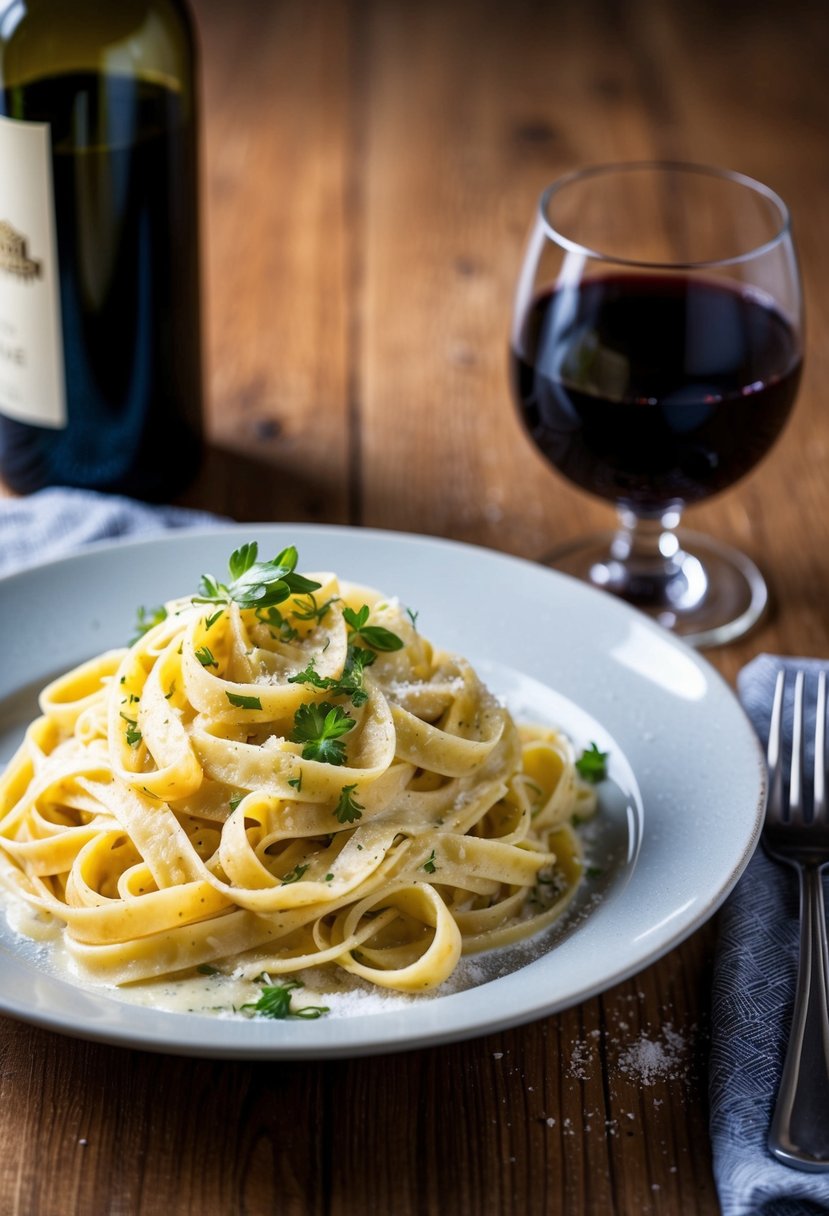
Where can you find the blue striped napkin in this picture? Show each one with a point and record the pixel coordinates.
(754, 984)
(55, 522)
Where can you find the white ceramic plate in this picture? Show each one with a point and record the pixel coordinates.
(680, 816)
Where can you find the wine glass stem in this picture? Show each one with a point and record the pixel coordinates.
(648, 565)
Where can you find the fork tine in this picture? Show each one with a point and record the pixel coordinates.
(820, 749)
(796, 776)
(775, 800)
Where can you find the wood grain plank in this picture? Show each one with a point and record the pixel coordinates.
(277, 138)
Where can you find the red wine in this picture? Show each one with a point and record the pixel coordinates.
(124, 180)
(654, 390)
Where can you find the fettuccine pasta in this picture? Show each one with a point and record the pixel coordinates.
(282, 773)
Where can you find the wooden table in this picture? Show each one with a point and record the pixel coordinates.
(370, 171)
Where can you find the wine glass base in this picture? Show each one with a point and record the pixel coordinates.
(724, 592)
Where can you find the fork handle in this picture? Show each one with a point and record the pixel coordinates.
(799, 1134)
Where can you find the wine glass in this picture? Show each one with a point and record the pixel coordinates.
(656, 353)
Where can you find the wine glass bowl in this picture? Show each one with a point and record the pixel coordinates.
(656, 354)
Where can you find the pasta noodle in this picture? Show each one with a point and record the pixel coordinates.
(284, 774)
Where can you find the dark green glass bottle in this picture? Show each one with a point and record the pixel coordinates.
(100, 350)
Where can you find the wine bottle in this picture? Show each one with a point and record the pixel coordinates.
(100, 351)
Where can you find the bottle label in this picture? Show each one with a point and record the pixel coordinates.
(31, 339)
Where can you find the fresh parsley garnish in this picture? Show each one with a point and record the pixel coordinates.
(210, 621)
(256, 584)
(319, 728)
(413, 618)
(310, 676)
(146, 619)
(348, 808)
(275, 1002)
(429, 864)
(349, 684)
(234, 800)
(294, 875)
(134, 735)
(274, 619)
(205, 656)
(374, 636)
(313, 611)
(592, 764)
(296, 782)
(242, 702)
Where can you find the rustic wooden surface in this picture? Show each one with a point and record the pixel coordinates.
(370, 171)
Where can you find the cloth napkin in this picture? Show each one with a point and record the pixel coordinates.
(754, 985)
(54, 522)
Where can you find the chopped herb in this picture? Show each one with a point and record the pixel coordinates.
(170, 692)
(348, 808)
(256, 584)
(296, 782)
(319, 728)
(243, 702)
(210, 621)
(349, 684)
(275, 1002)
(206, 969)
(374, 636)
(429, 864)
(313, 611)
(310, 676)
(294, 875)
(234, 801)
(413, 618)
(594, 871)
(592, 764)
(329, 877)
(273, 618)
(133, 733)
(205, 656)
(147, 619)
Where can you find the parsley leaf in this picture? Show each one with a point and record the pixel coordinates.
(134, 735)
(348, 808)
(275, 620)
(256, 584)
(147, 619)
(429, 864)
(374, 636)
(275, 1002)
(314, 612)
(310, 676)
(205, 656)
(242, 559)
(242, 702)
(592, 764)
(319, 728)
(234, 801)
(294, 875)
(349, 684)
(296, 782)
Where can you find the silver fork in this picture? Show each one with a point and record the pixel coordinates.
(799, 1134)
